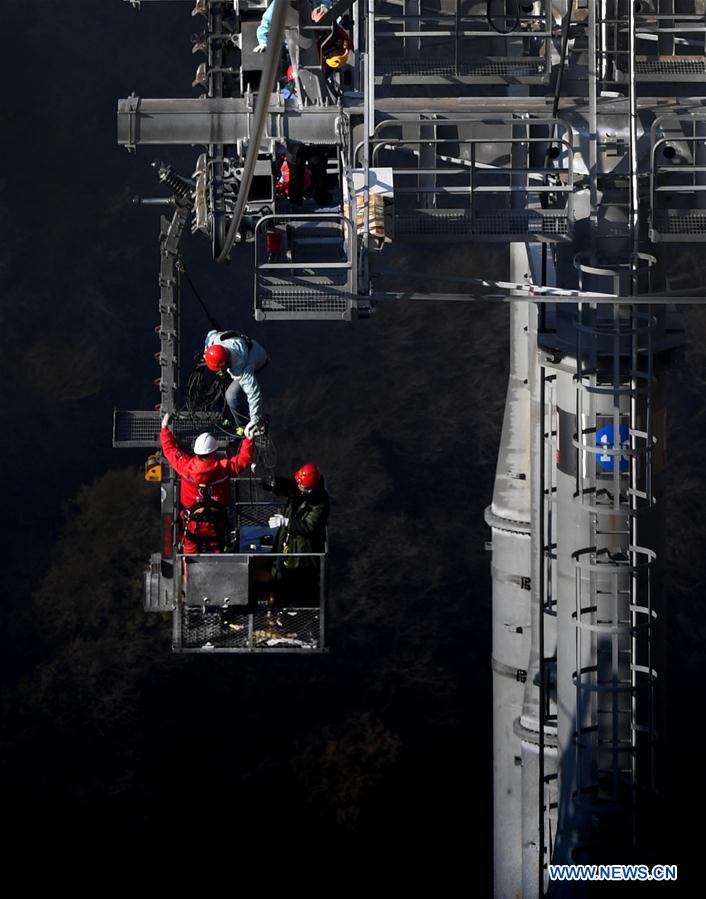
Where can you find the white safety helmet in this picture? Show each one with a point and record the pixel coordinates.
(205, 444)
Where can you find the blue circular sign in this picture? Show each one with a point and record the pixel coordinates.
(604, 438)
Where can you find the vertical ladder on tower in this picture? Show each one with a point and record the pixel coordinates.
(547, 589)
(614, 678)
(614, 675)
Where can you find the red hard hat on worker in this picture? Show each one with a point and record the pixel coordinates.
(308, 476)
(216, 357)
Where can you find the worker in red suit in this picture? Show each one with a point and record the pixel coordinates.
(300, 171)
(205, 488)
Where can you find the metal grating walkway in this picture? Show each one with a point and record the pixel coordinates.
(283, 630)
(508, 224)
(690, 68)
(141, 429)
(499, 70)
(678, 226)
(290, 302)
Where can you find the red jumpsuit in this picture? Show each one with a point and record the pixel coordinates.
(286, 175)
(212, 471)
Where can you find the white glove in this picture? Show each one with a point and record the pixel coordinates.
(260, 48)
(251, 429)
(166, 420)
(278, 521)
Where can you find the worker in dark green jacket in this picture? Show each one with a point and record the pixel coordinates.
(301, 528)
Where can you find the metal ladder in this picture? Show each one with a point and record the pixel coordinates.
(614, 677)
(614, 674)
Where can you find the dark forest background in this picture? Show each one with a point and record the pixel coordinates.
(382, 749)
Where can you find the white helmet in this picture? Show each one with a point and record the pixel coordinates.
(205, 444)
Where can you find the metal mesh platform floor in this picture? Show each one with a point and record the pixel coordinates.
(312, 303)
(482, 68)
(278, 630)
(141, 429)
(508, 223)
(660, 67)
(687, 226)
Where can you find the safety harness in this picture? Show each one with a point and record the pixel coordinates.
(205, 520)
(229, 335)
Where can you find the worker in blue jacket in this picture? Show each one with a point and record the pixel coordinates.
(263, 31)
(239, 357)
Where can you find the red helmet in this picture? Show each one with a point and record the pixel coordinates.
(216, 357)
(291, 75)
(307, 476)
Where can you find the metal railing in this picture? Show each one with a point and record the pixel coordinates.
(678, 178)
(313, 275)
(665, 44)
(224, 602)
(463, 48)
(479, 181)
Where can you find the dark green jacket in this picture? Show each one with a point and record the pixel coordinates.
(306, 531)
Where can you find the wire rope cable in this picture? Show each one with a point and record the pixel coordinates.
(182, 268)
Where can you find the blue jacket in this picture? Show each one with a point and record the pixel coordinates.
(263, 31)
(243, 364)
